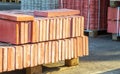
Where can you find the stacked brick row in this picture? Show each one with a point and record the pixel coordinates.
(35, 40)
(94, 11)
(113, 20)
(30, 55)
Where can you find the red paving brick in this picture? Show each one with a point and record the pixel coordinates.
(16, 17)
(56, 12)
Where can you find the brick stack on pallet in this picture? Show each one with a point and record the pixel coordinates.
(113, 20)
(94, 11)
(32, 41)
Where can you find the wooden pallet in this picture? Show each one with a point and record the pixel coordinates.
(95, 33)
(115, 37)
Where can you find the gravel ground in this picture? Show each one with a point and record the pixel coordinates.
(104, 58)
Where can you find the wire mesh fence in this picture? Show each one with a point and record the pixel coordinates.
(39, 4)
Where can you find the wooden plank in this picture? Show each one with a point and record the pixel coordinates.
(72, 62)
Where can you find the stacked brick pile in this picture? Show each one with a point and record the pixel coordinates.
(113, 20)
(94, 11)
(40, 40)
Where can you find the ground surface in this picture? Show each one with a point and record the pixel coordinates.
(104, 58)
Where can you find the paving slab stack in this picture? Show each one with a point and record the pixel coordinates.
(114, 18)
(29, 39)
(94, 11)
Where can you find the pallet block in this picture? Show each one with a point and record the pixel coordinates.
(34, 70)
(115, 37)
(72, 62)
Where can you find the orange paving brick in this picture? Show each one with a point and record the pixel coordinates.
(47, 29)
(1, 59)
(56, 52)
(35, 31)
(64, 28)
(5, 54)
(60, 49)
(53, 51)
(46, 52)
(41, 53)
(86, 46)
(22, 32)
(73, 27)
(72, 47)
(61, 28)
(80, 46)
(19, 57)
(16, 17)
(51, 29)
(44, 30)
(56, 12)
(63, 50)
(41, 30)
(26, 40)
(26, 52)
(75, 48)
(11, 59)
(69, 27)
(50, 52)
(66, 49)
(76, 26)
(58, 28)
(70, 51)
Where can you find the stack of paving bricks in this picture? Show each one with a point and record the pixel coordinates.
(114, 22)
(94, 11)
(40, 40)
(39, 4)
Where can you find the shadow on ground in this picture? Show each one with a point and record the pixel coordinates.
(116, 71)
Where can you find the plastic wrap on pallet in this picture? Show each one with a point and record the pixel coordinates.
(39, 4)
(94, 11)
